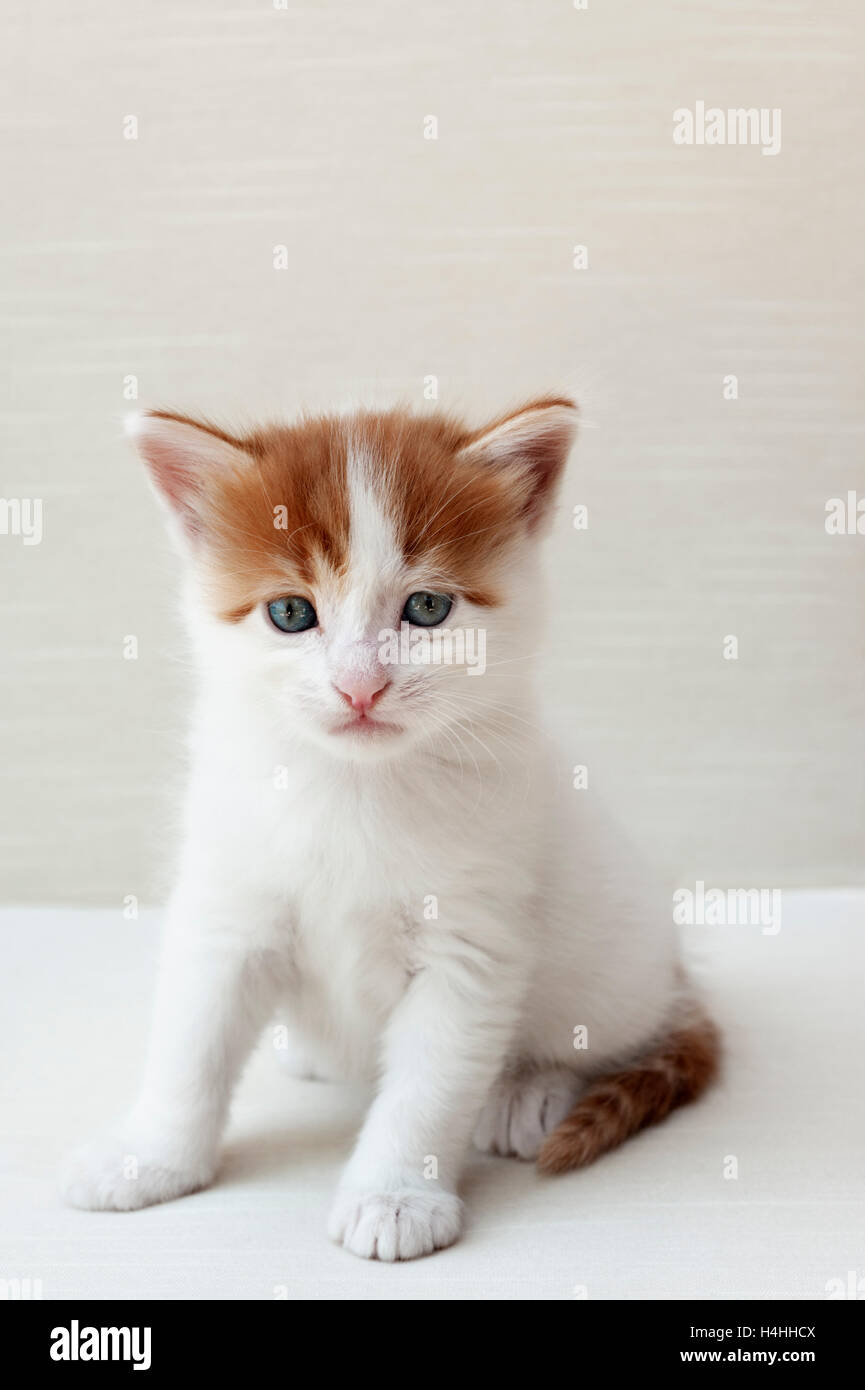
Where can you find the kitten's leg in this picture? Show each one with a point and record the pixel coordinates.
(212, 999)
(526, 1104)
(443, 1049)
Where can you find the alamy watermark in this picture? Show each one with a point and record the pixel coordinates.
(436, 646)
(21, 516)
(738, 125)
(77, 1343)
(845, 516)
(721, 907)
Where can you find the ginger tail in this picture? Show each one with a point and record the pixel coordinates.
(614, 1107)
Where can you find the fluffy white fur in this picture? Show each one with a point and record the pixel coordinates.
(438, 910)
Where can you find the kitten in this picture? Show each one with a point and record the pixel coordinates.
(391, 851)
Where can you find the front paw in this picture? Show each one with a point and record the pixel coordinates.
(397, 1225)
(120, 1173)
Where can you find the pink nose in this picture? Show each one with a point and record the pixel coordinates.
(361, 691)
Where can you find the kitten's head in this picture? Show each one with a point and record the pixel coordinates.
(350, 574)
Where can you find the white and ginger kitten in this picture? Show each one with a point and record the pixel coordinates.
(391, 855)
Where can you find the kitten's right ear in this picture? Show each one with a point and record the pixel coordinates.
(180, 456)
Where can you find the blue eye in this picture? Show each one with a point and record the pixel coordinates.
(427, 610)
(292, 614)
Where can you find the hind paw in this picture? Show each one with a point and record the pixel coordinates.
(523, 1108)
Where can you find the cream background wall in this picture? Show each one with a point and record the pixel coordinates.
(408, 258)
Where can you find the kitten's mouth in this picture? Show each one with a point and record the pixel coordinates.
(363, 726)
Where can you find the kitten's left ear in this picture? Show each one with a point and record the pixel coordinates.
(533, 444)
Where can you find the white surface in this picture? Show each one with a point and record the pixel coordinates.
(656, 1219)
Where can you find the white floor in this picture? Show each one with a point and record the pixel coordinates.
(657, 1219)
